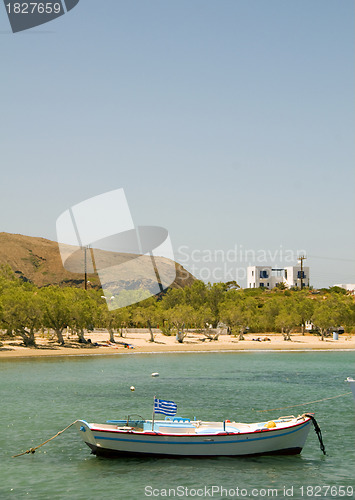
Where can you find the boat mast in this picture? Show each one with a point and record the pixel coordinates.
(153, 416)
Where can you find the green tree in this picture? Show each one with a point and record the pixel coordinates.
(304, 306)
(146, 314)
(281, 286)
(268, 311)
(239, 312)
(333, 311)
(215, 296)
(181, 316)
(195, 295)
(82, 311)
(175, 296)
(287, 319)
(21, 312)
(323, 317)
(56, 309)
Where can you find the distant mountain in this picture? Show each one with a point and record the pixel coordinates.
(38, 260)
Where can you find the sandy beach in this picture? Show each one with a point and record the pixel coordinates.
(137, 341)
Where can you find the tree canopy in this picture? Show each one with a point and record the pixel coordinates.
(26, 309)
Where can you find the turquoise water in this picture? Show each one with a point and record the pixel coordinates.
(39, 397)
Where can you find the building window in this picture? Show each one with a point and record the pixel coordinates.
(300, 275)
(252, 273)
(264, 274)
(261, 285)
(285, 273)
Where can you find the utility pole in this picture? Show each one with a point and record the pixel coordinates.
(85, 269)
(301, 259)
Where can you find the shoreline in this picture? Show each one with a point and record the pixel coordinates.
(194, 343)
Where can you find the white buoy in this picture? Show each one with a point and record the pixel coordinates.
(132, 388)
(155, 374)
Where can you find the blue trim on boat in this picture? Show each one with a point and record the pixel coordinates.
(116, 421)
(259, 438)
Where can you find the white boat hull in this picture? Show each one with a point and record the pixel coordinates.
(106, 440)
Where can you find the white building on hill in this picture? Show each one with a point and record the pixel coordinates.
(268, 277)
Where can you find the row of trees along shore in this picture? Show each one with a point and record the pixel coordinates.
(26, 310)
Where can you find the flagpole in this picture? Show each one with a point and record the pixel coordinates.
(153, 417)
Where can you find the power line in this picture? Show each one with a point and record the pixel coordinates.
(330, 258)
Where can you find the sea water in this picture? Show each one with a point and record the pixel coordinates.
(40, 397)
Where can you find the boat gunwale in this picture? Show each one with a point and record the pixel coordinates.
(306, 420)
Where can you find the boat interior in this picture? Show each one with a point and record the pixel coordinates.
(179, 425)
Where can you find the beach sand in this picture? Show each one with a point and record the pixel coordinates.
(193, 342)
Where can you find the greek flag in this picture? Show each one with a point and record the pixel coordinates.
(165, 407)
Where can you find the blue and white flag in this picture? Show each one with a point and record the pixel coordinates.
(168, 408)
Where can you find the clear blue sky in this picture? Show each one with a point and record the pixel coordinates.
(229, 122)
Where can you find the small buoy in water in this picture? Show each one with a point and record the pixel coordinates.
(132, 388)
(155, 374)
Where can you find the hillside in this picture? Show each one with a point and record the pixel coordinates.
(38, 260)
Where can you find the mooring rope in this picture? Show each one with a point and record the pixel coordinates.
(32, 450)
(318, 432)
(303, 404)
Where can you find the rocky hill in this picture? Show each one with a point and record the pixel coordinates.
(38, 260)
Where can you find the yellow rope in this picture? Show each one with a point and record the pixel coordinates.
(32, 450)
(303, 404)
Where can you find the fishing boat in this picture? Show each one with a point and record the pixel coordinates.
(177, 436)
(196, 438)
(352, 385)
